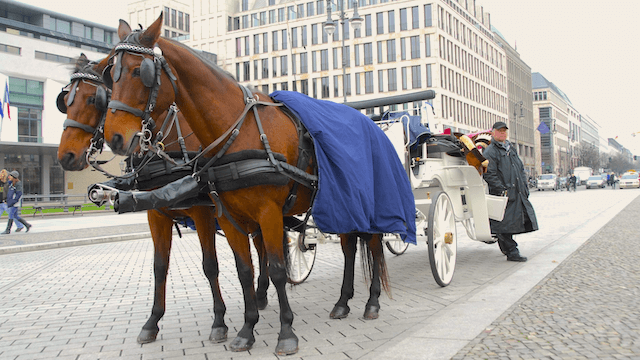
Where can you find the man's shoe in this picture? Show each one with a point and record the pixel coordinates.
(6, 232)
(19, 229)
(516, 257)
(29, 228)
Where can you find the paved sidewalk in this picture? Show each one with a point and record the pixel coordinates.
(56, 231)
(576, 298)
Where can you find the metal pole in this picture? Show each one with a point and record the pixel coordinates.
(344, 62)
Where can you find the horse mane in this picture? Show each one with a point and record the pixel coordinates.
(215, 69)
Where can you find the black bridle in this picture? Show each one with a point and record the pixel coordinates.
(101, 98)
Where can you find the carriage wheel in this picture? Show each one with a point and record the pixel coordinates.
(301, 256)
(395, 244)
(442, 239)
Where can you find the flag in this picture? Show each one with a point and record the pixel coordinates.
(543, 128)
(6, 100)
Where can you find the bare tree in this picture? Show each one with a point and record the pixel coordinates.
(588, 155)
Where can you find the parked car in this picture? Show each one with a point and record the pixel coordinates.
(562, 183)
(596, 181)
(629, 181)
(547, 182)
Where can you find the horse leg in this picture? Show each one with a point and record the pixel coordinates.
(160, 227)
(348, 243)
(274, 241)
(240, 245)
(374, 247)
(263, 277)
(206, 228)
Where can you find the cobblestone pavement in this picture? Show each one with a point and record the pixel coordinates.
(588, 308)
(89, 302)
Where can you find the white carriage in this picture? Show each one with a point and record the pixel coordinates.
(446, 188)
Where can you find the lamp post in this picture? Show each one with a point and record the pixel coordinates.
(515, 119)
(330, 28)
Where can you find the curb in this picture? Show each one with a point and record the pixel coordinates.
(75, 242)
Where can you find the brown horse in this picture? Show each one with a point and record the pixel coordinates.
(85, 103)
(148, 74)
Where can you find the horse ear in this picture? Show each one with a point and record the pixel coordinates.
(150, 36)
(123, 29)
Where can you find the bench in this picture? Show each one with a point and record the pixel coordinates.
(65, 202)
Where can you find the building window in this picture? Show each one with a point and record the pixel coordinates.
(347, 84)
(392, 80)
(415, 47)
(27, 96)
(429, 79)
(428, 21)
(265, 43)
(246, 46)
(245, 5)
(167, 18)
(275, 66)
(314, 34)
(314, 85)
(403, 19)
(335, 86)
(379, 46)
(303, 33)
(358, 81)
(427, 46)
(403, 49)
(256, 44)
(356, 53)
(53, 57)
(391, 50)
(180, 20)
(379, 23)
(310, 9)
(416, 79)
(367, 25)
(10, 49)
(281, 17)
(346, 56)
(320, 7)
(284, 39)
(247, 71)
(392, 21)
(415, 21)
(380, 81)
(304, 63)
(284, 68)
(368, 53)
(272, 16)
(324, 83)
(274, 40)
(404, 78)
(300, 12)
(173, 18)
(304, 86)
(255, 69)
(291, 13)
(324, 60)
(335, 58)
(187, 27)
(265, 68)
(294, 37)
(368, 82)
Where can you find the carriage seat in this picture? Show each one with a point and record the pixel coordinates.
(444, 143)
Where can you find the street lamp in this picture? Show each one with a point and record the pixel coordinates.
(330, 28)
(515, 118)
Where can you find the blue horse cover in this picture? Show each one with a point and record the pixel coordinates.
(362, 185)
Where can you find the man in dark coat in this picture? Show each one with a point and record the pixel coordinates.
(505, 176)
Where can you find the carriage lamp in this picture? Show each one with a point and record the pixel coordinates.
(330, 28)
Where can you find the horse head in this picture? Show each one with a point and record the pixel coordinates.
(137, 74)
(84, 100)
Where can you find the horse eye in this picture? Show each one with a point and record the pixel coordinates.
(136, 72)
(91, 100)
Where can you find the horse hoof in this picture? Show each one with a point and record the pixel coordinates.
(147, 336)
(371, 312)
(287, 346)
(262, 303)
(218, 335)
(339, 312)
(241, 344)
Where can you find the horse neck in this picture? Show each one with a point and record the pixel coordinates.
(216, 93)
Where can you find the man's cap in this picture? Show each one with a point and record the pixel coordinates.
(499, 125)
(15, 174)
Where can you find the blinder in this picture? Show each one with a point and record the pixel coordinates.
(147, 72)
(62, 107)
(102, 99)
(106, 77)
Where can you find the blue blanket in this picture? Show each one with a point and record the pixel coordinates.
(362, 185)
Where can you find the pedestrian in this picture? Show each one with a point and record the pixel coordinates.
(573, 180)
(609, 179)
(613, 180)
(505, 177)
(4, 189)
(13, 198)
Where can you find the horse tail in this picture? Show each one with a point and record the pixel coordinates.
(367, 249)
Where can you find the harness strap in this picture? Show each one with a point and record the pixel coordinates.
(118, 105)
(72, 123)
